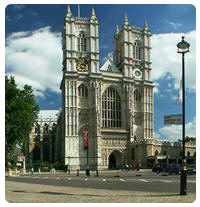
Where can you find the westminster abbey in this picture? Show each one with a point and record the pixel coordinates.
(107, 114)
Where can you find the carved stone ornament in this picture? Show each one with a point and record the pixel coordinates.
(82, 65)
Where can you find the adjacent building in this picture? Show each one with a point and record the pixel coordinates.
(41, 143)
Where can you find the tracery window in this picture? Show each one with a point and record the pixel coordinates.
(111, 108)
(82, 91)
(81, 42)
(137, 50)
(137, 96)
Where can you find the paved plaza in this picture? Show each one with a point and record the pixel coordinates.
(22, 192)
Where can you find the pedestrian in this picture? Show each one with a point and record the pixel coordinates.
(131, 166)
(32, 170)
(138, 167)
(66, 168)
(134, 166)
(127, 166)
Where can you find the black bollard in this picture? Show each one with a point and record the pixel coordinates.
(87, 172)
(77, 173)
(97, 173)
(183, 183)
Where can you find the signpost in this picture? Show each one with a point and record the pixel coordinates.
(173, 119)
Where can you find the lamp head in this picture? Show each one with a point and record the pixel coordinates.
(183, 46)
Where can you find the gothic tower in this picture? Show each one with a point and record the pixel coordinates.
(132, 51)
(80, 69)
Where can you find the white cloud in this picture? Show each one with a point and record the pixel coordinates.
(174, 132)
(18, 6)
(156, 90)
(156, 135)
(35, 58)
(167, 63)
(175, 25)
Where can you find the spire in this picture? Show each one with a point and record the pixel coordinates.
(69, 13)
(93, 12)
(145, 24)
(93, 16)
(125, 19)
(78, 10)
(117, 29)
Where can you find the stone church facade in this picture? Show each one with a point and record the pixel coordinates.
(41, 142)
(112, 104)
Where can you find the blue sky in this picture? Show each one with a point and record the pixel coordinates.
(34, 55)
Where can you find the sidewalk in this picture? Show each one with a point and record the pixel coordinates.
(82, 172)
(34, 193)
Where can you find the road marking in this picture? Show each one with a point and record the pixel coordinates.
(104, 180)
(166, 181)
(191, 181)
(86, 179)
(69, 178)
(122, 180)
(146, 181)
(36, 177)
(57, 178)
(45, 177)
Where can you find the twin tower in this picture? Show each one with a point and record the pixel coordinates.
(112, 103)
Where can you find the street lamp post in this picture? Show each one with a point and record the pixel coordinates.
(183, 47)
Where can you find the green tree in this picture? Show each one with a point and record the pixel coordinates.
(187, 139)
(20, 114)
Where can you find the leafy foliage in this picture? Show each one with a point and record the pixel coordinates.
(20, 114)
(188, 139)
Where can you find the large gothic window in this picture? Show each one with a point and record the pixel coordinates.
(137, 50)
(137, 96)
(111, 108)
(82, 91)
(81, 42)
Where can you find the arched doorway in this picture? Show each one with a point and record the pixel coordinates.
(112, 162)
(115, 160)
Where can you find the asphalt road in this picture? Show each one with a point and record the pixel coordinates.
(146, 182)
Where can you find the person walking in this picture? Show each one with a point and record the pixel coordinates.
(134, 166)
(32, 171)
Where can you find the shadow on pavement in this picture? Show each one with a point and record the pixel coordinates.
(19, 191)
(70, 194)
(74, 194)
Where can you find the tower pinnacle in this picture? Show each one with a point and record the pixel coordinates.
(145, 24)
(117, 29)
(93, 16)
(125, 19)
(69, 13)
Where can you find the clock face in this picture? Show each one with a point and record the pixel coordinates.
(81, 66)
(137, 73)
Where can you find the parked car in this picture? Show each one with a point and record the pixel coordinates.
(191, 169)
(175, 169)
(160, 168)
